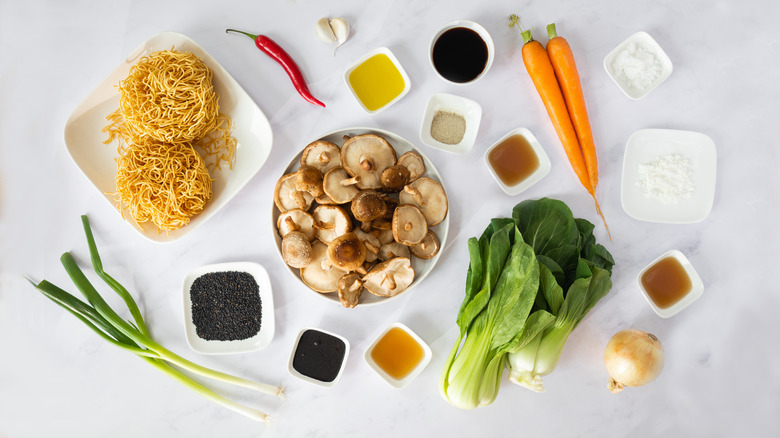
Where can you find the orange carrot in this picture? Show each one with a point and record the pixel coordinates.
(562, 60)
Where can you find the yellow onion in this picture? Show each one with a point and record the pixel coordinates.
(633, 358)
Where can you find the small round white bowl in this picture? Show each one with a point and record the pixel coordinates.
(267, 326)
(384, 51)
(481, 31)
(396, 383)
(539, 173)
(469, 109)
(696, 291)
(643, 41)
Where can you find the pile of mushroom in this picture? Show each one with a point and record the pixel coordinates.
(353, 217)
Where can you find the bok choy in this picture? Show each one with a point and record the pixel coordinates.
(531, 279)
(134, 336)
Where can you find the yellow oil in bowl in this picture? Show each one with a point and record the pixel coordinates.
(377, 81)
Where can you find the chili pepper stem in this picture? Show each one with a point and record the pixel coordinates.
(242, 32)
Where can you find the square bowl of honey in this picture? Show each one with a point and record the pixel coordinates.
(670, 283)
(398, 355)
(517, 161)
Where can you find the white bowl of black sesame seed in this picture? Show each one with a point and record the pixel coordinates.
(228, 308)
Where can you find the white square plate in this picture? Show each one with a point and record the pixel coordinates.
(84, 139)
(267, 322)
(647, 145)
(470, 110)
(640, 41)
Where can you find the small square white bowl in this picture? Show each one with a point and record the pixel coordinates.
(541, 171)
(646, 48)
(396, 63)
(396, 383)
(306, 378)
(469, 109)
(647, 145)
(267, 326)
(697, 286)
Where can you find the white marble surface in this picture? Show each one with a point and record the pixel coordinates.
(721, 377)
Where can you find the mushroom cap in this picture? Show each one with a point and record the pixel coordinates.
(368, 205)
(414, 163)
(409, 225)
(366, 156)
(330, 221)
(389, 278)
(296, 220)
(323, 155)
(347, 252)
(429, 196)
(371, 242)
(392, 250)
(350, 287)
(309, 179)
(296, 249)
(287, 197)
(394, 178)
(428, 248)
(333, 183)
(319, 274)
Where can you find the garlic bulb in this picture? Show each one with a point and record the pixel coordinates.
(331, 30)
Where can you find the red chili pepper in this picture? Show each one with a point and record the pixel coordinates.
(270, 48)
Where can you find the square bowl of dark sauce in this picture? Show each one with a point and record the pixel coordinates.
(228, 308)
(318, 357)
(462, 52)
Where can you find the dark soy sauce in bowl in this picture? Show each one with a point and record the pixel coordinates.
(460, 55)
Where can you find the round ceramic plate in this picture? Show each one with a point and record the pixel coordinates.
(421, 267)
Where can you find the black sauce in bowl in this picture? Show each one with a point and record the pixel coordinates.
(460, 54)
(319, 355)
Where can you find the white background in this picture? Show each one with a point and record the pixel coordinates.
(721, 378)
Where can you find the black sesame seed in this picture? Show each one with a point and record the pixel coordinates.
(226, 306)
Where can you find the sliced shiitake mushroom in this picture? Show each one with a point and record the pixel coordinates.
(366, 156)
(330, 221)
(339, 185)
(392, 250)
(347, 252)
(350, 288)
(409, 225)
(429, 196)
(385, 236)
(319, 274)
(309, 179)
(428, 248)
(367, 206)
(288, 197)
(296, 249)
(414, 163)
(296, 220)
(394, 178)
(323, 155)
(389, 278)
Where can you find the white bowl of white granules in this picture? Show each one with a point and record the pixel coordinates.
(638, 65)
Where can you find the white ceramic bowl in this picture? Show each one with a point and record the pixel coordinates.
(396, 383)
(396, 63)
(306, 378)
(421, 267)
(84, 139)
(469, 109)
(539, 173)
(648, 145)
(481, 31)
(697, 286)
(640, 54)
(267, 326)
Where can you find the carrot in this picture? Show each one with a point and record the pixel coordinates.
(562, 60)
(542, 73)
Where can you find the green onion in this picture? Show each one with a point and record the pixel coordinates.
(134, 336)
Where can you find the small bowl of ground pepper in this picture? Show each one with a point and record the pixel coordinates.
(450, 123)
(228, 308)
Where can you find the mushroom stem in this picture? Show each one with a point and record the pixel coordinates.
(291, 224)
(389, 278)
(299, 199)
(324, 157)
(350, 181)
(367, 164)
(324, 225)
(418, 197)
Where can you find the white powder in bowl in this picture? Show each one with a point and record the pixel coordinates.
(636, 67)
(667, 179)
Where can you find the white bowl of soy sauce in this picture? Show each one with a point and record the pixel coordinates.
(462, 52)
